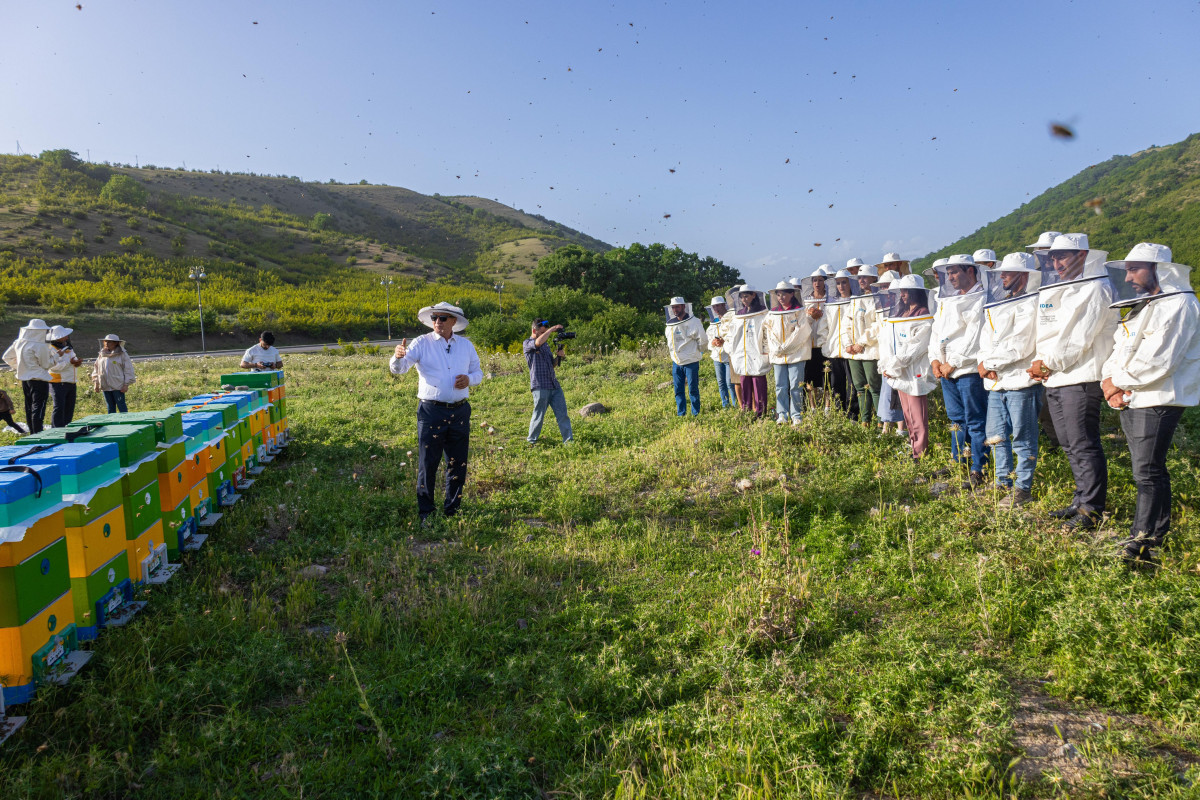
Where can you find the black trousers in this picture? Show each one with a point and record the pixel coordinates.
(814, 374)
(839, 381)
(1047, 423)
(1149, 432)
(36, 393)
(442, 432)
(1075, 410)
(64, 404)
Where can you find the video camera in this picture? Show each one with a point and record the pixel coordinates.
(564, 335)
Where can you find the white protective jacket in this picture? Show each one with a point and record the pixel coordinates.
(687, 341)
(1156, 356)
(954, 339)
(1075, 327)
(789, 336)
(30, 356)
(864, 317)
(717, 331)
(904, 354)
(818, 325)
(837, 330)
(63, 370)
(746, 344)
(1007, 341)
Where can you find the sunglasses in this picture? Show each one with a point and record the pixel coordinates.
(440, 317)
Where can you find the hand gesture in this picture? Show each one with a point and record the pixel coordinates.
(461, 381)
(402, 348)
(718, 342)
(815, 312)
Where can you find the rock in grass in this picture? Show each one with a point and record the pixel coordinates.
(522, 624)
(313, 571)
(665, 385)
(744, 485)
(592, 409)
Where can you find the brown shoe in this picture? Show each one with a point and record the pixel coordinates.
(1016, 498)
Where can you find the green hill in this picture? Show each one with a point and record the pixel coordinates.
(99, 246)
(1151, 196)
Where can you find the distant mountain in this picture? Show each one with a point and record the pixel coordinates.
(239, 216)
(1151, 196)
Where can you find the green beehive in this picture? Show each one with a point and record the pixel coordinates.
(176, 523)
(133, 482)
(283, 408)
(168, 459)
(234, 437)
(142, 508)
(235, 460)
(28, 587)
(255, 380)
(86, 591)
(274, 413)
(168, 424)
(104, 501)
(135, 442)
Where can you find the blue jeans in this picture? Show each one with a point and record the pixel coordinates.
(115, 400)
(789, 390)
(688, 374)
(728, 398)
(557, 402)
(966, 406)
(1012, 428)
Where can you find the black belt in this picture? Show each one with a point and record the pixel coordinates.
(440, 404)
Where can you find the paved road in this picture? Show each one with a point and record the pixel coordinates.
(302, 348)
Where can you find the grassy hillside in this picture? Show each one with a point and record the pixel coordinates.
(615, 618)
(1151, 196)
(299, 257)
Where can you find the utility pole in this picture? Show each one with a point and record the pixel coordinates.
(197, 274)
(386, 283)
(499, 287)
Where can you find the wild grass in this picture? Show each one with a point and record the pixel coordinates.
(615, 618)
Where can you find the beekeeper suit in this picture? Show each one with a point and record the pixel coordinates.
(894, 263)
(1075, 330)
(861, 355)
(747, 347)
(1006, 344)
(889, 410)
(789, 346)
(814, 293)
(839, 337)
(31, 359)
(1044, 240)
(985, 258)
(904, 354)
(953, 353)
(718, 310)
(1152, 374)
(688, 343)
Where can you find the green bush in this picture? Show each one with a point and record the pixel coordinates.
(188, 323)
(492, 331)
(134, 223)
(131, 244)
(106, 228)
(124, 190)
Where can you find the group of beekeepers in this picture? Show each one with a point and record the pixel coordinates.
(1038, 339)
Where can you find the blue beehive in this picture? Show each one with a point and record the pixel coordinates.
(81, 467)
(28, 491)
(240, 399)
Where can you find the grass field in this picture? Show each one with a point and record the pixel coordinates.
(615, 618)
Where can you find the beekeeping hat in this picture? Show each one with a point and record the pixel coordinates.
(58, 332)
(854, 263)
(1070, 259)
(896, 309)
(1147, 273)
(425, 315)
(1044, 241)
(889, 276)
(985, 254)
(946, 288)
(1015, 277)
(891, 258)
(718, 301)
(868, 271)
(669, 313)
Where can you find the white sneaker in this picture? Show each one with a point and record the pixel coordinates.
(780, 419)
(796, 422)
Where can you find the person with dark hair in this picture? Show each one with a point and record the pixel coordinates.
(113, 373)
(547, 391)
(263, 355)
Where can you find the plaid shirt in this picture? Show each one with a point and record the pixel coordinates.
(541, 366)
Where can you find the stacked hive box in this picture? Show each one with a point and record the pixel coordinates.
(90, 511)
(38, 638)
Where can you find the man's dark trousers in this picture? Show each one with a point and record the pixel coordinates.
(1076, 413)
(36, 393)
(64, 404)
(1149, 432)
(442, 430)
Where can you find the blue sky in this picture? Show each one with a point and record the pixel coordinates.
(752, 105)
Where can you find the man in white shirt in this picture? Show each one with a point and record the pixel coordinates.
(447, 366)
(262, 355)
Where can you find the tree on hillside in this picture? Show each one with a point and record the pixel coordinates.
(124, 190)
(642, 276)
(63, 159)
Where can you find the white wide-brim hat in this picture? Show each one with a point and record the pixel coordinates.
(443, 308)
(36, 325)
(718, 301)
(1018, 262)
(58, 332)
(785, 286)
(1044, 240)
(985, 255)
(868, 271)
(892, 258)
(1070, 241)
(677, 301)
(854, 262)
(889, 276)
(959, 260)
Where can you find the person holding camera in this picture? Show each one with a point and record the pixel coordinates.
(262, 356)
(62, 376)
(547, 392)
